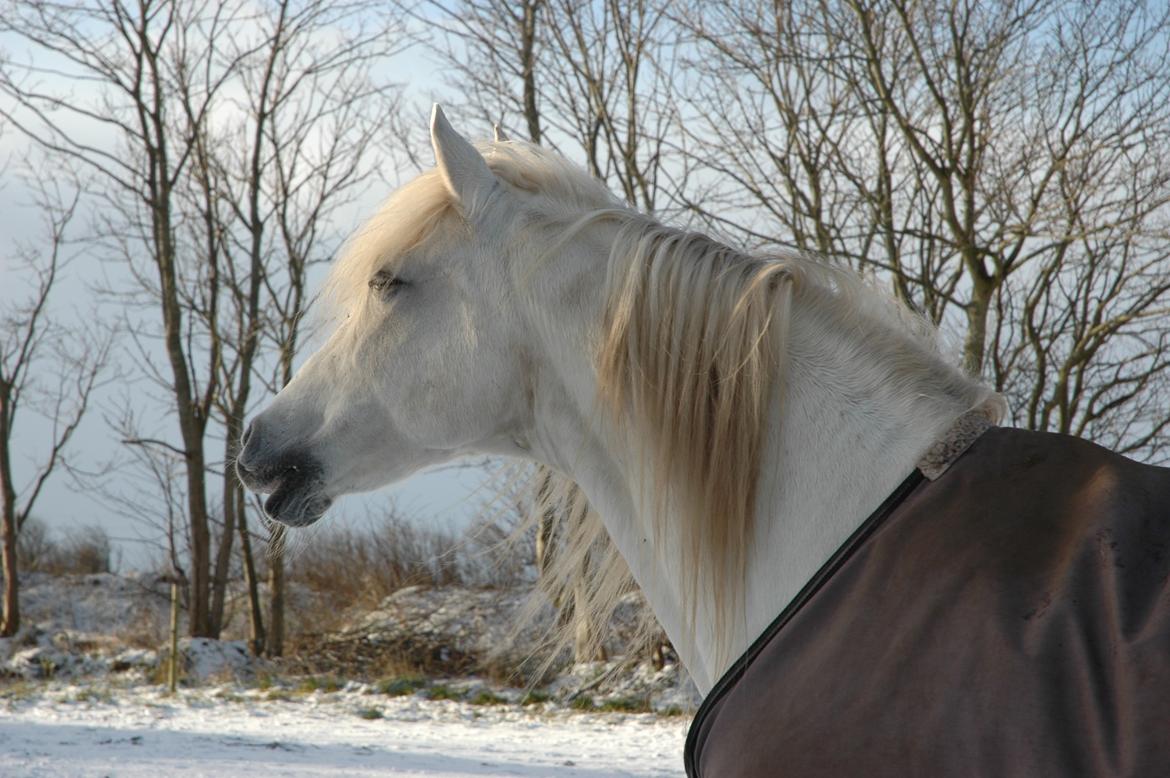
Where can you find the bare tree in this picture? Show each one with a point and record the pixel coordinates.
(29, 341)
(584, 78)
(493, 48)
(227, 136)
(612, 86)
(270, 184)
(134, 61)
(1003, 165)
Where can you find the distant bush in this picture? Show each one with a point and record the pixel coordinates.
(335, 571)
(348, 568)
(357, 567)
(83, 550)
(495, 556)
(34, 547)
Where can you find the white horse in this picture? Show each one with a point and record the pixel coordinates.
(732, 418)
(756, 434)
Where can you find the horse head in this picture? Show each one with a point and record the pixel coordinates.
(428, 360)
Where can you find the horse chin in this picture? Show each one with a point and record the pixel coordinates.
(296, 504)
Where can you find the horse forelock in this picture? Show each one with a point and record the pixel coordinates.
(404, 221)
(410, 215)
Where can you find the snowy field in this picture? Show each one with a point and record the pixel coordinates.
(139, 732)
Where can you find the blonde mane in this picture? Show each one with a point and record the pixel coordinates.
(690, 354)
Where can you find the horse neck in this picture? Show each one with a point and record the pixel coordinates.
(848, 423)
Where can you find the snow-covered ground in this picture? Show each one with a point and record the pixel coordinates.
(139, 732)
(77, 696)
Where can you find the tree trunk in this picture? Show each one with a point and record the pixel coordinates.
(10, 618)
(223, 554)
(255, 615)
(275, 639)
(191, 422)
(528, 67)
(975, 341)
(173, 659)
(200, 555)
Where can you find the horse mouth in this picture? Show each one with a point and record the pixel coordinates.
(296, 497)
(297, 502)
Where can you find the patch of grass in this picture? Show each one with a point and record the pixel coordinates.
(319, 683)
(442, 692)
(263, 682)
(626, 705)
(278, 695)
(401, 686)
(535, 698)
(486, 697)
(672, 711)
(582, 702)
(18, 690)
(369, 714)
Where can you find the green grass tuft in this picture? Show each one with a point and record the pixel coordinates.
(626, 705)
(400, 686)
(319, 683)
(535, 698)
(442, 692)
(485, 697)
(582, 702)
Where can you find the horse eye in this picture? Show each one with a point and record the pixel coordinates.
(384, 282)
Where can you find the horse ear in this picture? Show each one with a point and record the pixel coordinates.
(463, 169)
(498, 133)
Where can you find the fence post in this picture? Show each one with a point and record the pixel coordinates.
(173, 664)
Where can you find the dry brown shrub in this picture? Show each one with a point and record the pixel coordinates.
(148, 626)
(83, 550)
(357, 567)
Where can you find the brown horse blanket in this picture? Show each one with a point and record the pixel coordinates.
(1011, 618)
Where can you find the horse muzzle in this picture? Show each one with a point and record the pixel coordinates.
(293, 481)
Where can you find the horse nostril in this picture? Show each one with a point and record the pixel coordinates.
(243, 472)
(247, 434)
